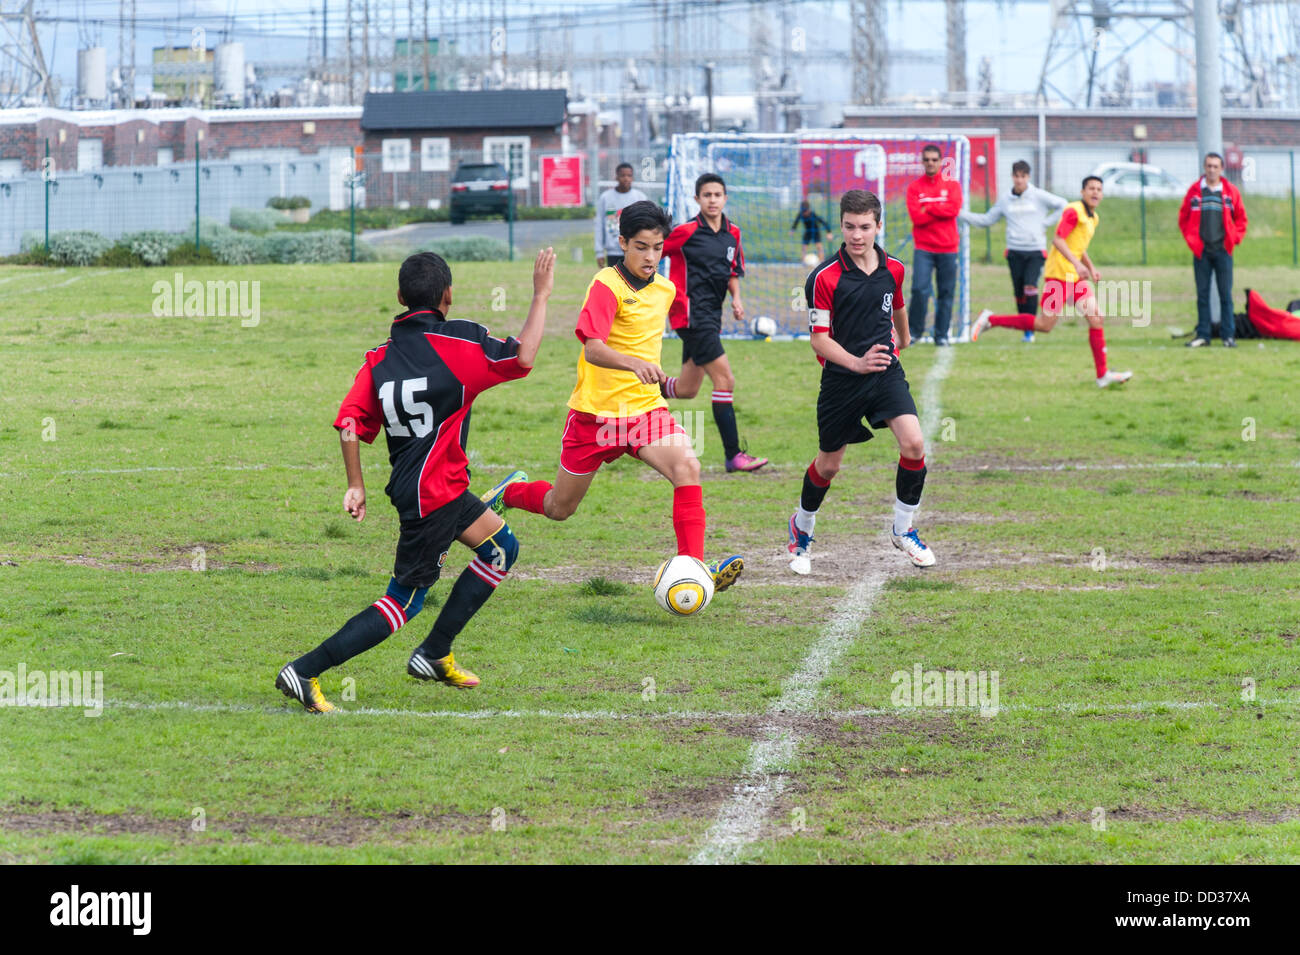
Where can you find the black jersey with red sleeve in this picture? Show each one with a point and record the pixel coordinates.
(419, 386)
(700, 263)
(857, 308)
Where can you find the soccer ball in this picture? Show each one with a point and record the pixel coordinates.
(810, 260)
(763, 327)
(683, 585)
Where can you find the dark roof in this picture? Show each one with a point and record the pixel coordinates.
(463, 109)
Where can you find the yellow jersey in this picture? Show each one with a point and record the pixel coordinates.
(1076, 228)
(629, 317)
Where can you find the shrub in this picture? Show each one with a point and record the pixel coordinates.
(119, 256)
(151, 246)
(184, 254)
(289, 202)
(239, 248)
(78, 247)
(470, 249)
(255, 220)
(299, 248)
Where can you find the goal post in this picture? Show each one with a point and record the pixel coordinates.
(768, 175)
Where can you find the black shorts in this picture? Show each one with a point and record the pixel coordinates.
(423, 544)
(702, 342)
(847, 401)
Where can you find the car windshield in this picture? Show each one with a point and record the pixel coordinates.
(482, 171)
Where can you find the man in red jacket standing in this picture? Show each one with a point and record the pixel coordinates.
(933, 202)
(1212, 221)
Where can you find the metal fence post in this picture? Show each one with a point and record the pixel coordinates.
(46, 170)
(1295, 258)
(196, 194)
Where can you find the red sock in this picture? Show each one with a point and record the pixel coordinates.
(527, 495)
(1097, 341)
(816, 476)
(1023, 322)
(688, 520)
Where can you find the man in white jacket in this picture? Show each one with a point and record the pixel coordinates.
(1028, 211)
(608, 206)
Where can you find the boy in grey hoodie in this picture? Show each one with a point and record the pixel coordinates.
(1028, 211)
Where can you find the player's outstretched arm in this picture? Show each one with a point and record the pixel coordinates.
(602, 356)
(354, 499)
(530, 337)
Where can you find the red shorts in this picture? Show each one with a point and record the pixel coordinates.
(1059, 294)
(590, 441)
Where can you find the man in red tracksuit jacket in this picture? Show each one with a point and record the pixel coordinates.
(1213, 221)
(933, 202)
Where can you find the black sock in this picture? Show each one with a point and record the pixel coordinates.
(909, 483)
(810, 499)
(724, 415)
(467, 596)
(367, 629)
(1030, 306)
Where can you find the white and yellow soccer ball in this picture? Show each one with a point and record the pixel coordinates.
(683, 585)
(810, 260)
(763, 327)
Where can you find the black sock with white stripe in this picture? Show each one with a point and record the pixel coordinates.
(367, 629)
(471, 592)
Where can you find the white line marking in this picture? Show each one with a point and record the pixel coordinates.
(660, 716)
(740, 820)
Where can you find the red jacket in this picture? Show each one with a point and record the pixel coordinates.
(933, 203)
(1234, 217)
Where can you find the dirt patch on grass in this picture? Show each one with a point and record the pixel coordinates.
(164, 560)
(336, 829)
(1251, 555)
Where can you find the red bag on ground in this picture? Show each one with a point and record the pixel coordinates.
(1266, 321)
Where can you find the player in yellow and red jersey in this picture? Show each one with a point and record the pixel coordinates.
(617, 407)
(1067, 266)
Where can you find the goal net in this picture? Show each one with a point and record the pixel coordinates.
(769, 175)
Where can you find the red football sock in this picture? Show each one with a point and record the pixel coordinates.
(1023, 322)
(527, 495)
(688, 520)
(1097, 341)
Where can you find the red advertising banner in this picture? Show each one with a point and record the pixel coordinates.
(561, 180)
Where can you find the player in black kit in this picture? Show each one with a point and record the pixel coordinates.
(858, 324)
(418, 387)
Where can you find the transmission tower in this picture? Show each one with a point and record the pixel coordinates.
(956, 10)
(24, 77)
(869, 51)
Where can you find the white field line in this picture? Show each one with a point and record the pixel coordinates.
(46, 288)
(740, 820)
(660, 716)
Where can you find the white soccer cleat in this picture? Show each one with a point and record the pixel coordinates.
(1114, 378)
(910, 544)
(800, 543)
(981, 324)
(801, 564)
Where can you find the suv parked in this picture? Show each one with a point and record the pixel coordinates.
(480, 188)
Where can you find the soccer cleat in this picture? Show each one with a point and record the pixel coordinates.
(744, 461)
(910, 544)
(1114, 378)
(1029, 336)
(799, 545)
(305, 691)
(1198, 342)
(1230, 343)
(980, 325)
(925, 339)
(726, 571)
(495, 497)
(444, 671)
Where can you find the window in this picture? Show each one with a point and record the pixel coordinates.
(511, 152)
(165, 155)
(435, 154)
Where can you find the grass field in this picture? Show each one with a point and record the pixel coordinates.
(1127, 561)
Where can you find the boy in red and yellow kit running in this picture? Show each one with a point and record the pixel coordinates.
(1067, 265)
(616, 407)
